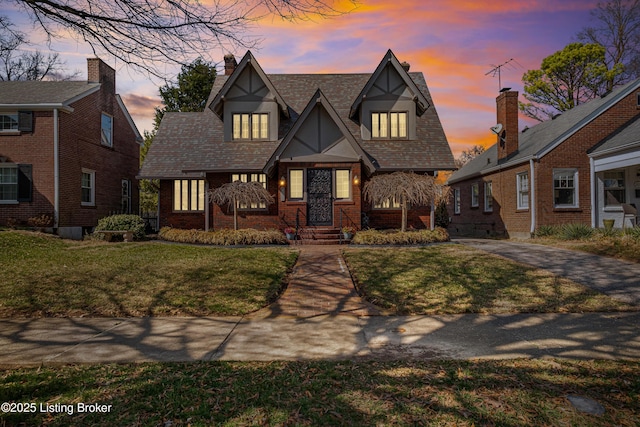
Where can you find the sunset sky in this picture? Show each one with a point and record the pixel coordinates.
(453, 42)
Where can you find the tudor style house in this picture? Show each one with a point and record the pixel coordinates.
(583, 166)
(312, 140)
(68, 150)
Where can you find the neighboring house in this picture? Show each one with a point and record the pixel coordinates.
(583, 166)
(312, 140)
(68, 149)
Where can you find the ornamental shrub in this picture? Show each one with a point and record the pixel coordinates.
(414, 237)
(224, 237)
(122, 223)
(575, 231)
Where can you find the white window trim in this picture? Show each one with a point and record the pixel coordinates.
(520, 193)
(92, 174)
(475, 198)
(488, 196)
(576, 201)
(456, 200)
(102, 139)
(11, 131)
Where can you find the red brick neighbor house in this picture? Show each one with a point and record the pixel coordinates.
(68, 150)
(583, 166)
(312, 140)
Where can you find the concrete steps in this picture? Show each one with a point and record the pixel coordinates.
(319, 236)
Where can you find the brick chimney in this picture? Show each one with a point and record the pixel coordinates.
(230, 64)
(99, 72)
(507, 116)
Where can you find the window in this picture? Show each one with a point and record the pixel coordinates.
(250, 126)
(88, 188)
(456, 200)
(614, 191)
(8, 122)
(388, 204)
(488, 196)
(343, 184)
(107, 130)
(251, 177)
(475, 198)
(522, 184)
(296, 184)
(126, 196)
(9, 183)
(565, 186)
(385, 125)
(188, 195)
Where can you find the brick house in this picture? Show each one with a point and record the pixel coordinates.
(583, 166)
(312, 140)
(68, 149)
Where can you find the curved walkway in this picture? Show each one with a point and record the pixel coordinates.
(616, 278)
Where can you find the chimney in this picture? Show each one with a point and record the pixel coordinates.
(230, 64)
(507, 116)
(406, 66)
(99, 72)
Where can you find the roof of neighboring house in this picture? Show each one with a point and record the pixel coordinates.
(627, 137)
(39, 93)
(540, 139)
(190, 142)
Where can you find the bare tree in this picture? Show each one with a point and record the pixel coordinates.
(149, 34)
(19, 64)
(617, 29)
(239, 193)
(405, 187)
(467, 155)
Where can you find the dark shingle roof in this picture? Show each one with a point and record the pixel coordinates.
(538, 140)
(39, 92)
(194, 141)
(627, 137)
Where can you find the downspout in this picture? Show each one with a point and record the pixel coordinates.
(432, 219)
(206, 205)
(592, 181)
(532, 196)
(56, 170)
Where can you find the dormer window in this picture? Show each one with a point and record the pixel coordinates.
(389, 125)
(250, 126)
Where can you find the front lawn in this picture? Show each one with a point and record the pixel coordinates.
(365, 393)
(45, 276)
(453, 278)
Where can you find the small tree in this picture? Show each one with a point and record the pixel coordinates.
(406, 187)
(237, 193)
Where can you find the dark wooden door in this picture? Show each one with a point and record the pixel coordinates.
(319, 197)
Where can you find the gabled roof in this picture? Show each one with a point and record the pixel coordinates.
(628, 137)
(346, 149)
(39, 95)
(390, 60)
(541, 139)
(248, 60)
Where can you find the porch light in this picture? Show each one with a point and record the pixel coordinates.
(356, 180)
(283, 181)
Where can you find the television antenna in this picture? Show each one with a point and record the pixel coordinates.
(497, 70)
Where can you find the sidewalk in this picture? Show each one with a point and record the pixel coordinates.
(320, 316)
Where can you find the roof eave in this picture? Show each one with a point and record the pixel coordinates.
(38, 107)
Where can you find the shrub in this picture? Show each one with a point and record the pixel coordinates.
(633, 232)
(375, 237)
(41, 221)
(224, 237)
(122, 222)
(608, 232)
(547, 231)
(575, 231)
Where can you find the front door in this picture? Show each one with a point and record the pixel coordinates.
(319, 197)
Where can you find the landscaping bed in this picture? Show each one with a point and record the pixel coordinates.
(453, 278)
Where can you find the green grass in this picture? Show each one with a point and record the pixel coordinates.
(365, 393)
(450, 279)
(45, 276)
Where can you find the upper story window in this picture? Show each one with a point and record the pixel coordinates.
(250, 126)
(389, 125)
(8, 122)
(106, 130)
(565, 188)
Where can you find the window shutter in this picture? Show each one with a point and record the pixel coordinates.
(25, 183)
(25, 121)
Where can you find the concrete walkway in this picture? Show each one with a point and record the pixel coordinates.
(320, 316)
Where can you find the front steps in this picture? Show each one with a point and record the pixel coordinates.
(319, 236)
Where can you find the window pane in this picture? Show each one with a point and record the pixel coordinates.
(614, 188)
(342, 184)
(107, 128)
(375, 125)
(255, 126)
(384, 127)
(402, 125)
(564, 188)
(296, 184)
(236, 126)
(394, 125)
(184, 202)
(488, 196)
(8, 122)
(245, 126)
(176, 195)
(201, 195)
(194, 195)
(9, 183)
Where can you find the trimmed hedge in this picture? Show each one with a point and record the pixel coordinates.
(224, 237)
(121, 223)
(414, 237)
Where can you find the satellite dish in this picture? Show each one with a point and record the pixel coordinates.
(496, 129)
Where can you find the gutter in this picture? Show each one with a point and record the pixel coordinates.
(532, 196)
(38, 107)
(592, 182)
